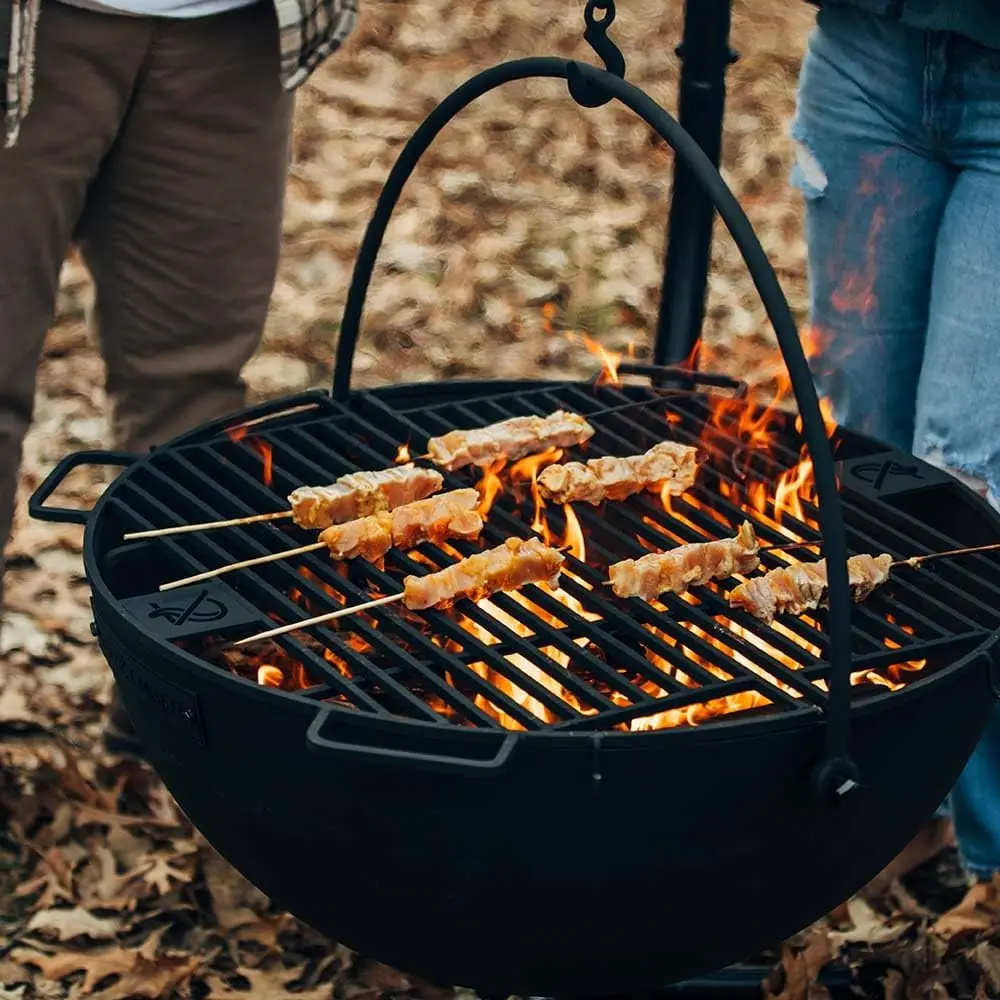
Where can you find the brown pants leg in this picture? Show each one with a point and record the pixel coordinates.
(86, 69)
(183, 227)
(163, 145)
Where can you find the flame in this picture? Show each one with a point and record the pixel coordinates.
(610, 360)
(573, 539)
(403, 454)
(270, 676)
(527, 469)
(743, 444)
(239, 433)
(490, 486)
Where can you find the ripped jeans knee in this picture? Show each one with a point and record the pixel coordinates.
(807, 174)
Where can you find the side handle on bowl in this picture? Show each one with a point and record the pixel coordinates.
(70, 515)
(498, 748)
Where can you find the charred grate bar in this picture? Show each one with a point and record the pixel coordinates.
(531, 659)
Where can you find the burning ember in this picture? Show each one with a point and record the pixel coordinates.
(746, 474)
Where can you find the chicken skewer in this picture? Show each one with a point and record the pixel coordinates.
(507, 567)
(355, 495)
(686, 566)
(615, 478)
(803, 586)
(795, 588)
(508, 440)
(441, 517)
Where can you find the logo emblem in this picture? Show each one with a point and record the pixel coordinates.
(201, 609)
(876, 473)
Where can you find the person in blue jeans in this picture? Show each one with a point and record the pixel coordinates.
(897, 133)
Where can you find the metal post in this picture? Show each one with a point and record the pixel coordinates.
(705, 55)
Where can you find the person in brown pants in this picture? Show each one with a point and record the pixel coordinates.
(154, 135)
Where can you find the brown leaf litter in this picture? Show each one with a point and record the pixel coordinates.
(522, 203)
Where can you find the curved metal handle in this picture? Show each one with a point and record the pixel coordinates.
(410, 758)
(69, 515)
(836, 773)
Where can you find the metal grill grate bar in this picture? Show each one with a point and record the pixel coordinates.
(606, 667)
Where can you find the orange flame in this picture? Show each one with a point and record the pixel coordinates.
(239, 433)
(403, 454)
(736, 436)
(490, 486)
(573, 539)
(610, 360)
(268, 676)
(528, 469)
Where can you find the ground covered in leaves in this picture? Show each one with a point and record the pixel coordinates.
(526, 202)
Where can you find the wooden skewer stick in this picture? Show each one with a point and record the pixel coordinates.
(181, 529)
(320, 619)
(915, 562)
(245, 564)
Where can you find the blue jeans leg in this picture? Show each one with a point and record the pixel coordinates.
(902, 189)
(873, 205)
(958, 426)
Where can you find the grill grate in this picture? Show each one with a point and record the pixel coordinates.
(606, 664)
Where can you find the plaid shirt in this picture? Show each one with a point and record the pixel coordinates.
(310, 30)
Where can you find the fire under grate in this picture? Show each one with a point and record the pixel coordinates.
(579, 658)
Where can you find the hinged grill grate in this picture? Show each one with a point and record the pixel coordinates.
(607, 655)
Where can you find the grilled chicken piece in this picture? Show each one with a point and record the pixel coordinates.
(449, 515)
(507, 567)
(803, 586)
(365, 538)
(614, 478)
(360, 494)
(509, 440)
(686, 566)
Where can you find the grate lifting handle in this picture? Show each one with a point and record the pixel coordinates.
(37, 507)
(835, 775)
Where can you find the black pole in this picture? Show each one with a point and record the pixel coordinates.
(705, 55)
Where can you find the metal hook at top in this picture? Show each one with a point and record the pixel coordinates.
(598, 16)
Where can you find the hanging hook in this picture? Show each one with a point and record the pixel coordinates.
(598, 16)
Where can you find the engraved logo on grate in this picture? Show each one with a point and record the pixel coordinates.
(189, 611)
(202, 608)
(890, 473)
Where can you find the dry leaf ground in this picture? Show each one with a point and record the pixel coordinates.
(106, 892)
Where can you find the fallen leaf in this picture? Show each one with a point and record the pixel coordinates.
(235, 900)
(381, 977)
(802, 968)
(161, 874)
(96, 965)
(75, 922)
(978, 912)
(866, 926)
(271, 984)
(153, 978)
(987, 957)
(12, 972)
(894, 985)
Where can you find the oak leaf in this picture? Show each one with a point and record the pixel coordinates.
(76, 922)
